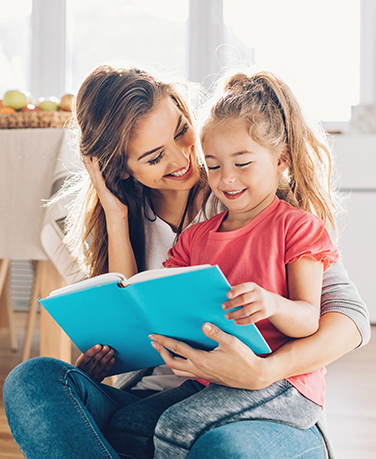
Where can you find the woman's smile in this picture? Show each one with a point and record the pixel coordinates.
(182, 173)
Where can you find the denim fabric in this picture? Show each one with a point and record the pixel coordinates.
(131, 429)
(259, 440)
(183, 423)
(56, 411)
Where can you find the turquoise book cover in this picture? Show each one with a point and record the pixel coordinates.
(122, 313)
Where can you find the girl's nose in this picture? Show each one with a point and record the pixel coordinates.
(228, 176)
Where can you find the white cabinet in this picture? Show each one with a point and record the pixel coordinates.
(356, 161)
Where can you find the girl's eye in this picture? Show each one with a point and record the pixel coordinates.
(183, 131)
(156, 159)
(213, 168)
(243, 164)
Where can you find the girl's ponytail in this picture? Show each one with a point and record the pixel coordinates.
(275, 120)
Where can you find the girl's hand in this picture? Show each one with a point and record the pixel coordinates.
(112, 206)
(257, 303)
(231, 364)
(96, 361)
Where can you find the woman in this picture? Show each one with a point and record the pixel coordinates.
(147, 185)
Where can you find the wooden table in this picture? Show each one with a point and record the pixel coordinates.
(29, 159)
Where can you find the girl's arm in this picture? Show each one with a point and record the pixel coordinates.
(296, 316)
(120, 253)
(343, 327)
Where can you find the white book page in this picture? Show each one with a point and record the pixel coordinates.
(107, 278)
(102, 279)
(158, 273)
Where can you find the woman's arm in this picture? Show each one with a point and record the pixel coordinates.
(98, 360)
(233, 364)
(342, 328)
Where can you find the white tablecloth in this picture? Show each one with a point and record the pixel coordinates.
(33, 165)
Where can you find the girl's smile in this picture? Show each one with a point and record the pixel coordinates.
(234, 194)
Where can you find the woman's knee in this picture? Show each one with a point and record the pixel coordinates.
(30, 377)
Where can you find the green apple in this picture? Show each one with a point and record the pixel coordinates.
(14, 99)
(49, 105)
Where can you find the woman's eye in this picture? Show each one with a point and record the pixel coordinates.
(183, 131)
(243, 164)
(156, 159)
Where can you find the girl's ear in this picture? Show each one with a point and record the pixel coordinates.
(124, 175)
(284, 159)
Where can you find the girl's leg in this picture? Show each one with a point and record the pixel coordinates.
(131, 429)
(259, 440)
(57, 411)
(183, 423)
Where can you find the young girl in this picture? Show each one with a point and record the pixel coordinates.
(257, 145)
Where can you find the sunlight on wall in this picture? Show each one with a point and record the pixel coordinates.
(310, 44)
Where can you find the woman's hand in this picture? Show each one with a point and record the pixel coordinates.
(120, 252)
(96, 361)
(254, 303)
(112, 206)
(232, 363)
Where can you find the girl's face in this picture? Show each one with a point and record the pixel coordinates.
(161, 154)
(243, 174)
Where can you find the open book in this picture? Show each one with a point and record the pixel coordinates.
(122, 313)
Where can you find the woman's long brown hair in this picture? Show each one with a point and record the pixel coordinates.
(109, 104)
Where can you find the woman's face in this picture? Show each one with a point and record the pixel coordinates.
(161, 154)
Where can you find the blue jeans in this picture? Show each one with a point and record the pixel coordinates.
(57, 411)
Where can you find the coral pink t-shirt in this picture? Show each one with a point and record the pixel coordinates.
(259, 252)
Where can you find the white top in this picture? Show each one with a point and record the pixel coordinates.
(159, 238)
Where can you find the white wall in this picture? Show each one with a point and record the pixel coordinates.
(356, 160)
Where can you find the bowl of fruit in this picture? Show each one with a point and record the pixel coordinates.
(18, 110)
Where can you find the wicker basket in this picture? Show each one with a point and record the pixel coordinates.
(30, 120)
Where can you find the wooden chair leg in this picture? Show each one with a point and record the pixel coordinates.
(32, 311)
(4, 284)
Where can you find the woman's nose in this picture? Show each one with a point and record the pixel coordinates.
(178, 157)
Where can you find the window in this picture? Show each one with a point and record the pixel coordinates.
(313, 45)
(119, 32)
(15, 49)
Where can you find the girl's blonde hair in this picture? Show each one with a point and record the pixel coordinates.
(109, 105)
(274, 118)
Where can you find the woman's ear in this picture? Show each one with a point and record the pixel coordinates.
(124, 175)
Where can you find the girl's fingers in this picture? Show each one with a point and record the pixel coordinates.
(239, 295)
(239, 313)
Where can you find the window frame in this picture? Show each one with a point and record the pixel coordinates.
(49, 48)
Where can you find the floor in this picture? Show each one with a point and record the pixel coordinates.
(351, 399)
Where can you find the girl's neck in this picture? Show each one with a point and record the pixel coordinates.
(169, 206)
(236, 220)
